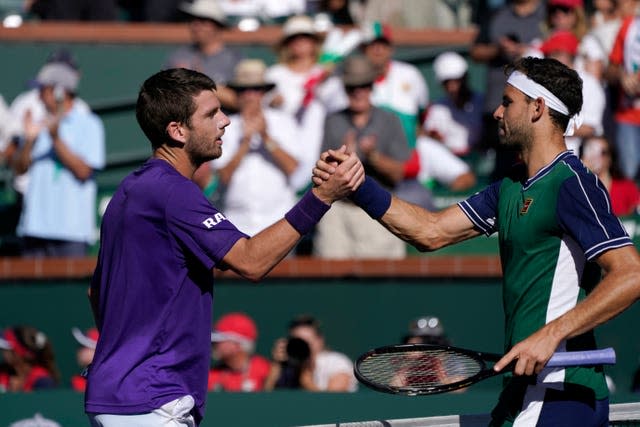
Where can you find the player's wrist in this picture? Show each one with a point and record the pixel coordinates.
(372, 198)
(305, 214)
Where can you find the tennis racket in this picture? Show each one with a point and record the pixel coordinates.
(422, 369)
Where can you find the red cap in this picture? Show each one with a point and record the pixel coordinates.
(234, 327)
(563, 41)
(566, 3)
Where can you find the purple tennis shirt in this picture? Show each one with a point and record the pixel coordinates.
(160, 239)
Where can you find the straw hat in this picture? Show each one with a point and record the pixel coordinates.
(249, 74)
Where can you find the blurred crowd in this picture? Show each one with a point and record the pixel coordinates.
(250, 14)
(328, 87)
(300, 360)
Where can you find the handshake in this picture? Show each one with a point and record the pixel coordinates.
(337, 175)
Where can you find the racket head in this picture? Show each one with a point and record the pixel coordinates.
(422, 369)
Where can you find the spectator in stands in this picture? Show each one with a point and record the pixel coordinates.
(563, 46)
(236, 367)
(62, 155)
(376, 136)
(509, 34)
(87, 341)
(29, 360)
(595, 45)
(566, 15)
(456, 119)
(622, 73)
(598, 155)
(439, 166)
(73, 10)
(261, 151)
(207, 52)
(426, 330)
(299, 77)
(9, 210)
(28, 104)
(305, 89)
(399, 86)
(317, 367)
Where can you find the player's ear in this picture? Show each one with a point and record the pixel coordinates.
(538, 108)
(177, 132)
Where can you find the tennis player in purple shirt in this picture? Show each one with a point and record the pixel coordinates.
(151, 292)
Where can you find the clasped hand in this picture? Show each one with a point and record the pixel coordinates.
(337, 174)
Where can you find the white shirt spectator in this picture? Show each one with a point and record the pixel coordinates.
(330, 363)
(592, 109)
(437, 162)
(259, 193)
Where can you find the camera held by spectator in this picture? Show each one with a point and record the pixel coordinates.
(298, 355)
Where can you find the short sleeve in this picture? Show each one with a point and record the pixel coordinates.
(482, 208)
(584, 212)
(198, 227)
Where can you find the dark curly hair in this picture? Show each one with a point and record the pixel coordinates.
(562, 81)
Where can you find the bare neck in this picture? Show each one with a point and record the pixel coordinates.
(542, 152)
(176, 158)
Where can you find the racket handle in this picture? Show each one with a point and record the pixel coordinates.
(605, 356)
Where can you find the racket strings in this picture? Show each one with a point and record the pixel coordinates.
(419, 369)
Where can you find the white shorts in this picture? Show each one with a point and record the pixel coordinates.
(176, 413)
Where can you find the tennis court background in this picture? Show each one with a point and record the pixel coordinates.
(357, 314)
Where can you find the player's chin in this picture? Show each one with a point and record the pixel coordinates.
(216, 153)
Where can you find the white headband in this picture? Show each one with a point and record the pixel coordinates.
(534, 90)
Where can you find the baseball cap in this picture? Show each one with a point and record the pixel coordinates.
(449, 65)
(58, 74)
(563, 41)
(88, 338)
(237, 327)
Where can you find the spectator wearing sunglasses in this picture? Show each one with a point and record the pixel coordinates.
(261, 152)
(377, 137)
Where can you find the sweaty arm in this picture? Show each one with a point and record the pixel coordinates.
(619, 288)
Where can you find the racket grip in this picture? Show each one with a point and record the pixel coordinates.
(605, 356)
